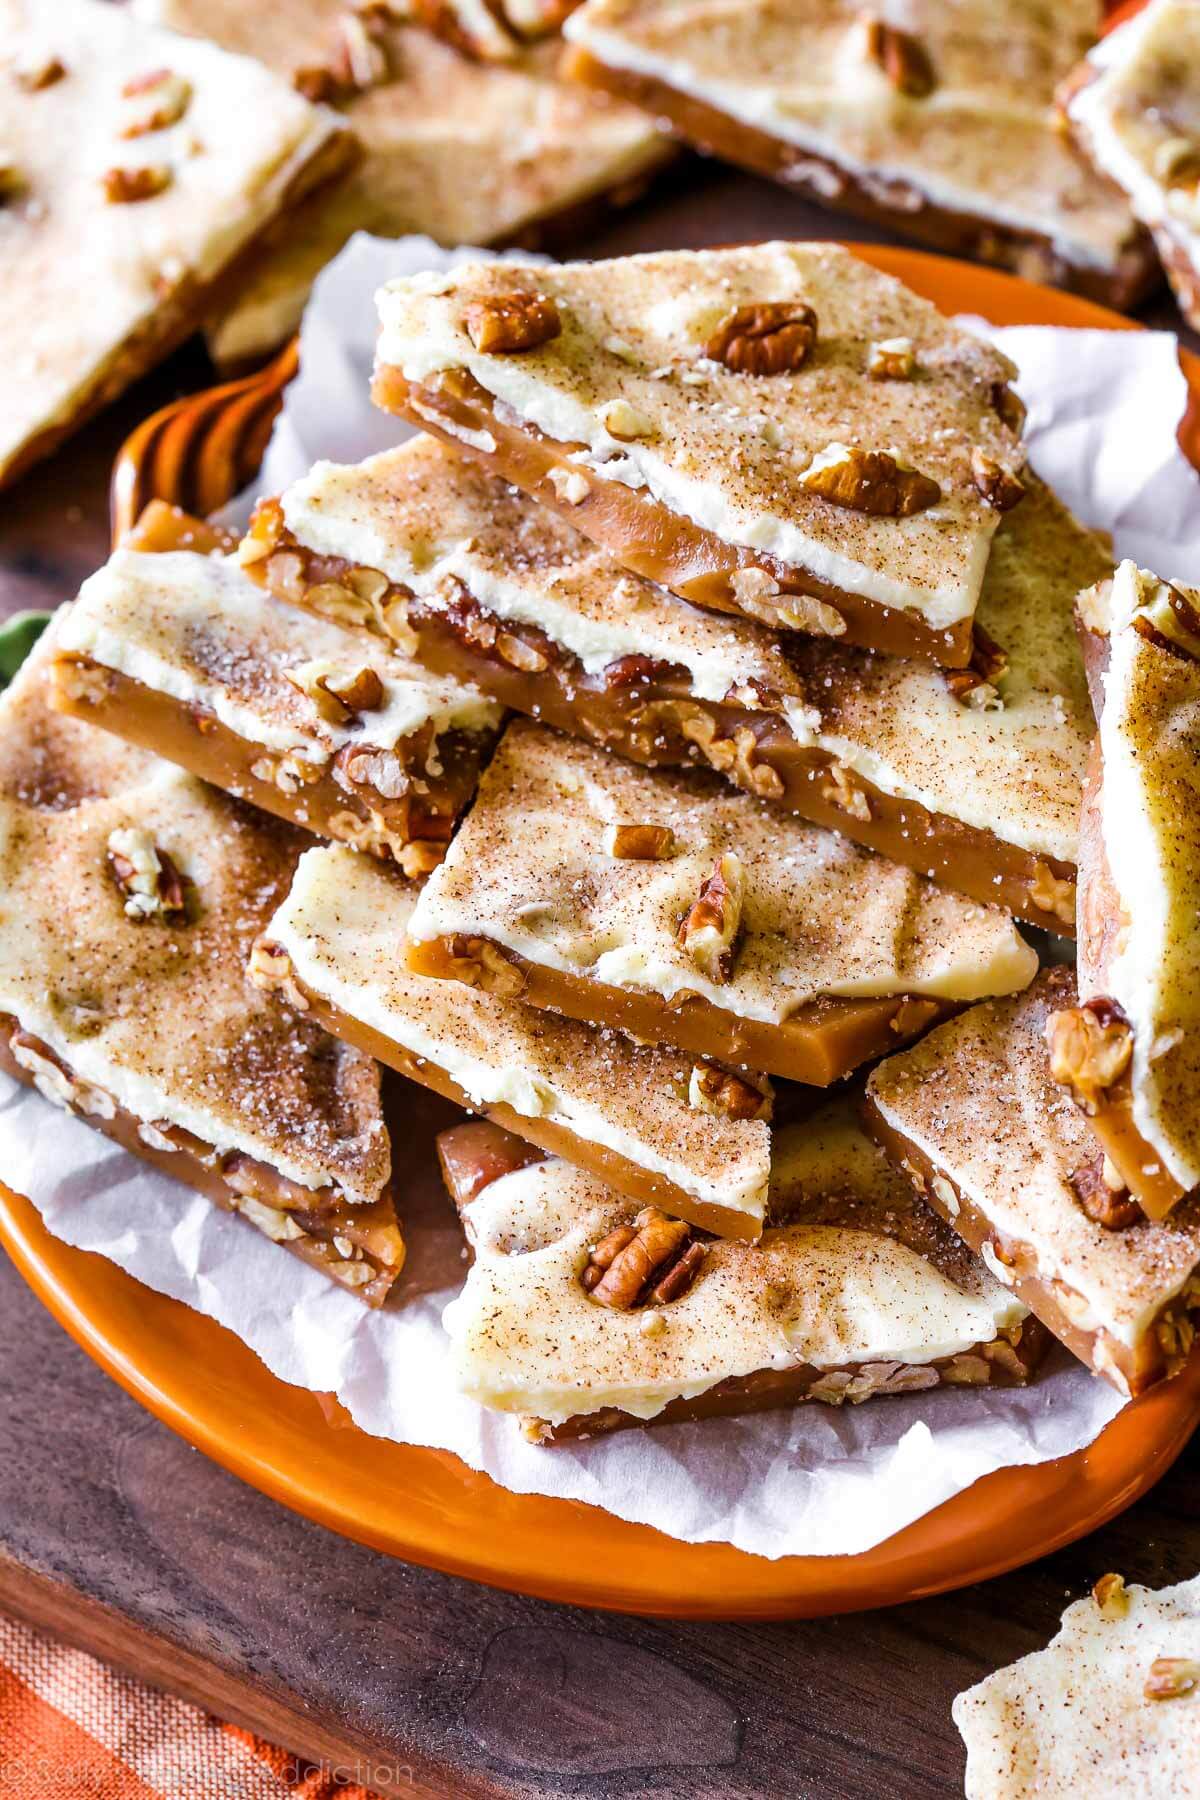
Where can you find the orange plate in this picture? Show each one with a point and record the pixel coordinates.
(426, 1507)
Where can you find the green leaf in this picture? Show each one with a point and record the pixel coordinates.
(18, 635)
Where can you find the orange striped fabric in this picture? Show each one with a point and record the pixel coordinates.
(72, 1729)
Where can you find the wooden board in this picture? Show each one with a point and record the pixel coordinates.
(118, 1537)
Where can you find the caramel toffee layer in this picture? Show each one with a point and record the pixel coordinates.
(581, 1316)
(358, 1246)
(631, 1113)
(1121, 280)
(712, 419)
(881, 750)
(643, 535)
(173, 649)
(661, 904)
(974, 1116)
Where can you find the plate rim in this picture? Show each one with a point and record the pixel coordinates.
(456, 1519)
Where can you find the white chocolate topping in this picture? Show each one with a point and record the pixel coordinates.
(155, 1014)
(440, 524)
(632, 329)
(87, 277)
(1139, 117)
(531, 870)
(977, 1098)
(1075, 1720)
(197, 629)
(461, 151)
(343, 927)
(1150, 818)
(864, 1275)
(982, 142)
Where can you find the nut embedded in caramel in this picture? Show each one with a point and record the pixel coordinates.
(726, 1095)
(1090, 1048)
(504, 323)
(869, 481)
(771, 338)
(338, 694)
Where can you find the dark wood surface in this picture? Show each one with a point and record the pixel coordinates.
(117, 1536)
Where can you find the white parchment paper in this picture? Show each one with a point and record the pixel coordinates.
(1103, 413)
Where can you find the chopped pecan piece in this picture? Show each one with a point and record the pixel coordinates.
(146, 876)
(843, 791)
(1009, 406)
(12, 180)
(338, 694)
(508, 322)
(710, 929)
(128, 187)
(870, 481)
(650, 1262)
(639, 843)
(270, 969)
(360, 59)
(38, 69)
(1052, 893)
(1167, 618)
(519, 654)
(317, 83)
(998, 485)
(625, 422)
(726, 1095)
(1104, 1196)
(1111, 1596)
(159, 98)
(484, 965)
(1177, 162)
(976, 684)
(1090, 1048)
(903, 59)
(1171, 1677)
(892, 359)
(770, 338)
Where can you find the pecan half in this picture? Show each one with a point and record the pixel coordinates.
(710, 928)
(903, 59)
(728, 1096)
(770, 338)
(869, 481)
(650, 1262)
(639, 843)
(1090, 1048)
(998, 485)
(147, 877)
(504, 323)
(1171, 1677)
(128, 187)
(976, 684)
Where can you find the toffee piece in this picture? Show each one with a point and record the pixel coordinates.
(132, 896)
(138, 167)
(900, 756)
(1130, 1052)
(179, 652)
(664, 905)
(710, 417)
(663, 1128)
(935, 120)
(974, 1115)
(1134, 109)
(462, 150)
(1107, 1711)
(582, 1315)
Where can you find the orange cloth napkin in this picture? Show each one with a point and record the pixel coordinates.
(72, 1729)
